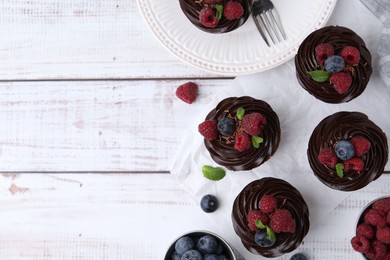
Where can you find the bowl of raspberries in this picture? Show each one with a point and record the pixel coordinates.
(372, 238)
(200, 245)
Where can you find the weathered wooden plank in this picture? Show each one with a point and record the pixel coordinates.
(81, 39)
(95, 125)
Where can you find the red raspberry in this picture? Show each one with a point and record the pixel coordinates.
(353, 164)
(233, 10)
(208, 18)
(382, 205)
(252, 123)
(377, 250)
(187, 92)
(328, 157)
(383, 235)
(208, 129)
(323, 51)
(267, 204)
(254, 215)
(351, 55)
(374, 218)
(341, 81)
(211, 2)
(242, 142)
(282, 221)
(360, 244)
(361, 145)
(365, 230)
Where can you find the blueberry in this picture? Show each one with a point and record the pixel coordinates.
(334, 64)
(207, 244)
(226, 126)
(262, 239)
(223, 257)
(209, 203)
(298, 256)
(192, 255)
(175, 256)
(344, 150)
(211, 257)
(219, 249)
(184, 244)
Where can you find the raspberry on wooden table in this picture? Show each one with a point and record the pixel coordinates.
(187, 92)
(208, 129)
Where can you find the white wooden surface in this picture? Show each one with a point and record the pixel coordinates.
(89, 126)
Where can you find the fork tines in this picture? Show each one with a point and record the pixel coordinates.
(268, 21)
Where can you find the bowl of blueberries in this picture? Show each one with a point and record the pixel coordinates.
(200, 245)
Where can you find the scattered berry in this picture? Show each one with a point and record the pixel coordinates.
(226, 126)
(361, 145)
(383, 235)
(207, 244)
(209, 203)
(262, 238)
(351, 55)
(377, 251)
(341, 81)
(208, 18)
(184, 244)
(208, 129)
(360, 244)
(328, 157)
(324, 51)
(232, 10)
(267, 204)
(334, 64)
(354, 164)
(298, 256)
(253, 216)
(282, 221)
(374, 218)
(252, 123)
(192, 255)
(344, 150)
(242, 142)
(382, 205)
(187, 92)
(365, 230)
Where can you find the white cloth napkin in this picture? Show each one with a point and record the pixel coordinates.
(299, 113)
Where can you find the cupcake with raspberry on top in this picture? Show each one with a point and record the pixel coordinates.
(241, 133)
(333, 64)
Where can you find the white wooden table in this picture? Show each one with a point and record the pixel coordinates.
(89, 127)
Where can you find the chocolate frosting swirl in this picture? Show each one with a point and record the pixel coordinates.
(191, 9)
(288, 198)
(224, 153)
(345, 125)
(339, 37)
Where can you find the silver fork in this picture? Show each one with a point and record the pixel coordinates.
(267, 21)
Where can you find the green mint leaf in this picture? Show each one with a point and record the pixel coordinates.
(213, 173)
(219, 12)
(240, 113)
(271, 235)
(340, 170)
(256, 141)
(260, 224)
(319, 75)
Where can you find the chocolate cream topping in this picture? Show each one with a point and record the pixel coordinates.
(339, 37)
(288, 198)
(223, 152)
(191, 9)
(345, 125)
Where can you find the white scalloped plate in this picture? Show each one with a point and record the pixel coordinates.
(241, 51)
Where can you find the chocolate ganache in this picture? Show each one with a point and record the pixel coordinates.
(223, 152)
(345, 125)
(191, 9)
(306, 61)
(290, 198)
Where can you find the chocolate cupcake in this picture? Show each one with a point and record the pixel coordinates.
(347, 151)
(335, 80)
(266, 198)
(212, 15)
(241, 133)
